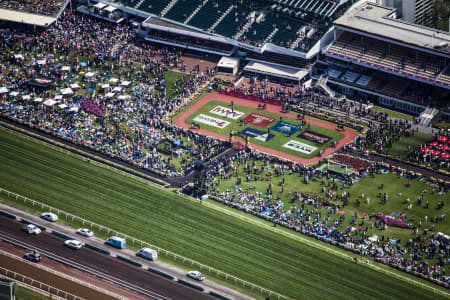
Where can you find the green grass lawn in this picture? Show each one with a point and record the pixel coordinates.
(407, 144)
(393, 114)
(188, 228)
(275, 143)
(23, 293)
(171, 78)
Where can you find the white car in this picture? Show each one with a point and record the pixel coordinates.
(196, 275)
(148, 253)
(85, 232)
(49, 216)
(74, 244)
(32, 229)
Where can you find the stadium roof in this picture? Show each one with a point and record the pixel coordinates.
(26, 18)
(276, 70)
(376, 20)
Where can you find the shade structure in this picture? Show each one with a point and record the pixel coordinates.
(443, 147)
(445, 155)
(433, 144)
(442, 138)
(425, 150)
(435, 152)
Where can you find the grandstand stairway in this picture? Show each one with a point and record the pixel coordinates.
(168, 7)
(427, 115)
(195, 12)
(139, 4)
(251, 20)
(299, 38)
(322, 82)
(270, 36)
(221, 18)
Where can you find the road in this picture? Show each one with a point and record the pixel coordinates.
(102, 263)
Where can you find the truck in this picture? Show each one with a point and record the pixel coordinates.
(116, 242)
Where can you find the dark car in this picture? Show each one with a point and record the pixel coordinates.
(33, 256)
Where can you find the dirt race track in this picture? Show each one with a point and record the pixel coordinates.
(180, 122)
(100, 262)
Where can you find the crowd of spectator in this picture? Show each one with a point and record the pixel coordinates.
(97, 60)
(41, 7)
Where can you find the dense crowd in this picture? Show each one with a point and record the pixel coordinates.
(42, 7)
(321, 216)
(79, 53)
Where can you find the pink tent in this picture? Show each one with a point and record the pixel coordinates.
(425, 150)
(442, 138)
(433, 144)
(435, 152)
(443, 147)
(445, 155)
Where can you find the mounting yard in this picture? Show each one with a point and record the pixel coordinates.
(291, 146)
(188, 228)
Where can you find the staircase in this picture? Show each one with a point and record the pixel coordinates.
(299, 38)
(270, 36)
(168, 7)
(427, 115)
(322, 82)
(251, 20)
(221, 18)
(139, 4)
(195, 12)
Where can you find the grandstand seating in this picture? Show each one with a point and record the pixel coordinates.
(316, 7)
(392, 57)
(182, 10)
(332, 73)
(209, 14)
(153, 6)
(363, 80)
(350, 76)
(394, 86)
(259, 31)
(287, 30)
(234, 20)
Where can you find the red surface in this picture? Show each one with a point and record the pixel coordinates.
(258, 120)
(180, 122)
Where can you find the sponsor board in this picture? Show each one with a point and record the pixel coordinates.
(211, 121)
(258, 120)
(257, 134)
(300, 147)
(286, 128)
(226, 112)
(314, 137)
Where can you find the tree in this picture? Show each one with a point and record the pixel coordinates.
(440, 15)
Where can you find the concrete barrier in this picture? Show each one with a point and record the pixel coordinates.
(98, 249)
(7, 214)
(129, 260)
(25, 221)
(62, 235)
(217, 295)
(187, 283)
(156, 271)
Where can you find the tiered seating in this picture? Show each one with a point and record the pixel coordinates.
(316, 7)
(363, 80)
(287, 31)
(350, 76)
(332, 73)
(232, 22)
(259, 31)
(393, 57)
(153, 6)
(394, 86)
(182, 10)
(374, 83)
(209, 14)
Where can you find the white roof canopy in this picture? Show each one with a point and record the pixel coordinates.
(110, 8)
(100, 5)
(276, 70)
(228, 62)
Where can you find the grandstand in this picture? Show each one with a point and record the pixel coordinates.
(393, 63)
(32, 12)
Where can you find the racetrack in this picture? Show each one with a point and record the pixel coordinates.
(102, 263)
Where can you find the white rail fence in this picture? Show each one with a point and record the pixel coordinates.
(176, 257)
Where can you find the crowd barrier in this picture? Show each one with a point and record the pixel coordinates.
(62, 235)
(98, 249)
(217, 295)
(128, 260)
(7, 214)
(250, 97)
(187, 283)
(156, 271)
